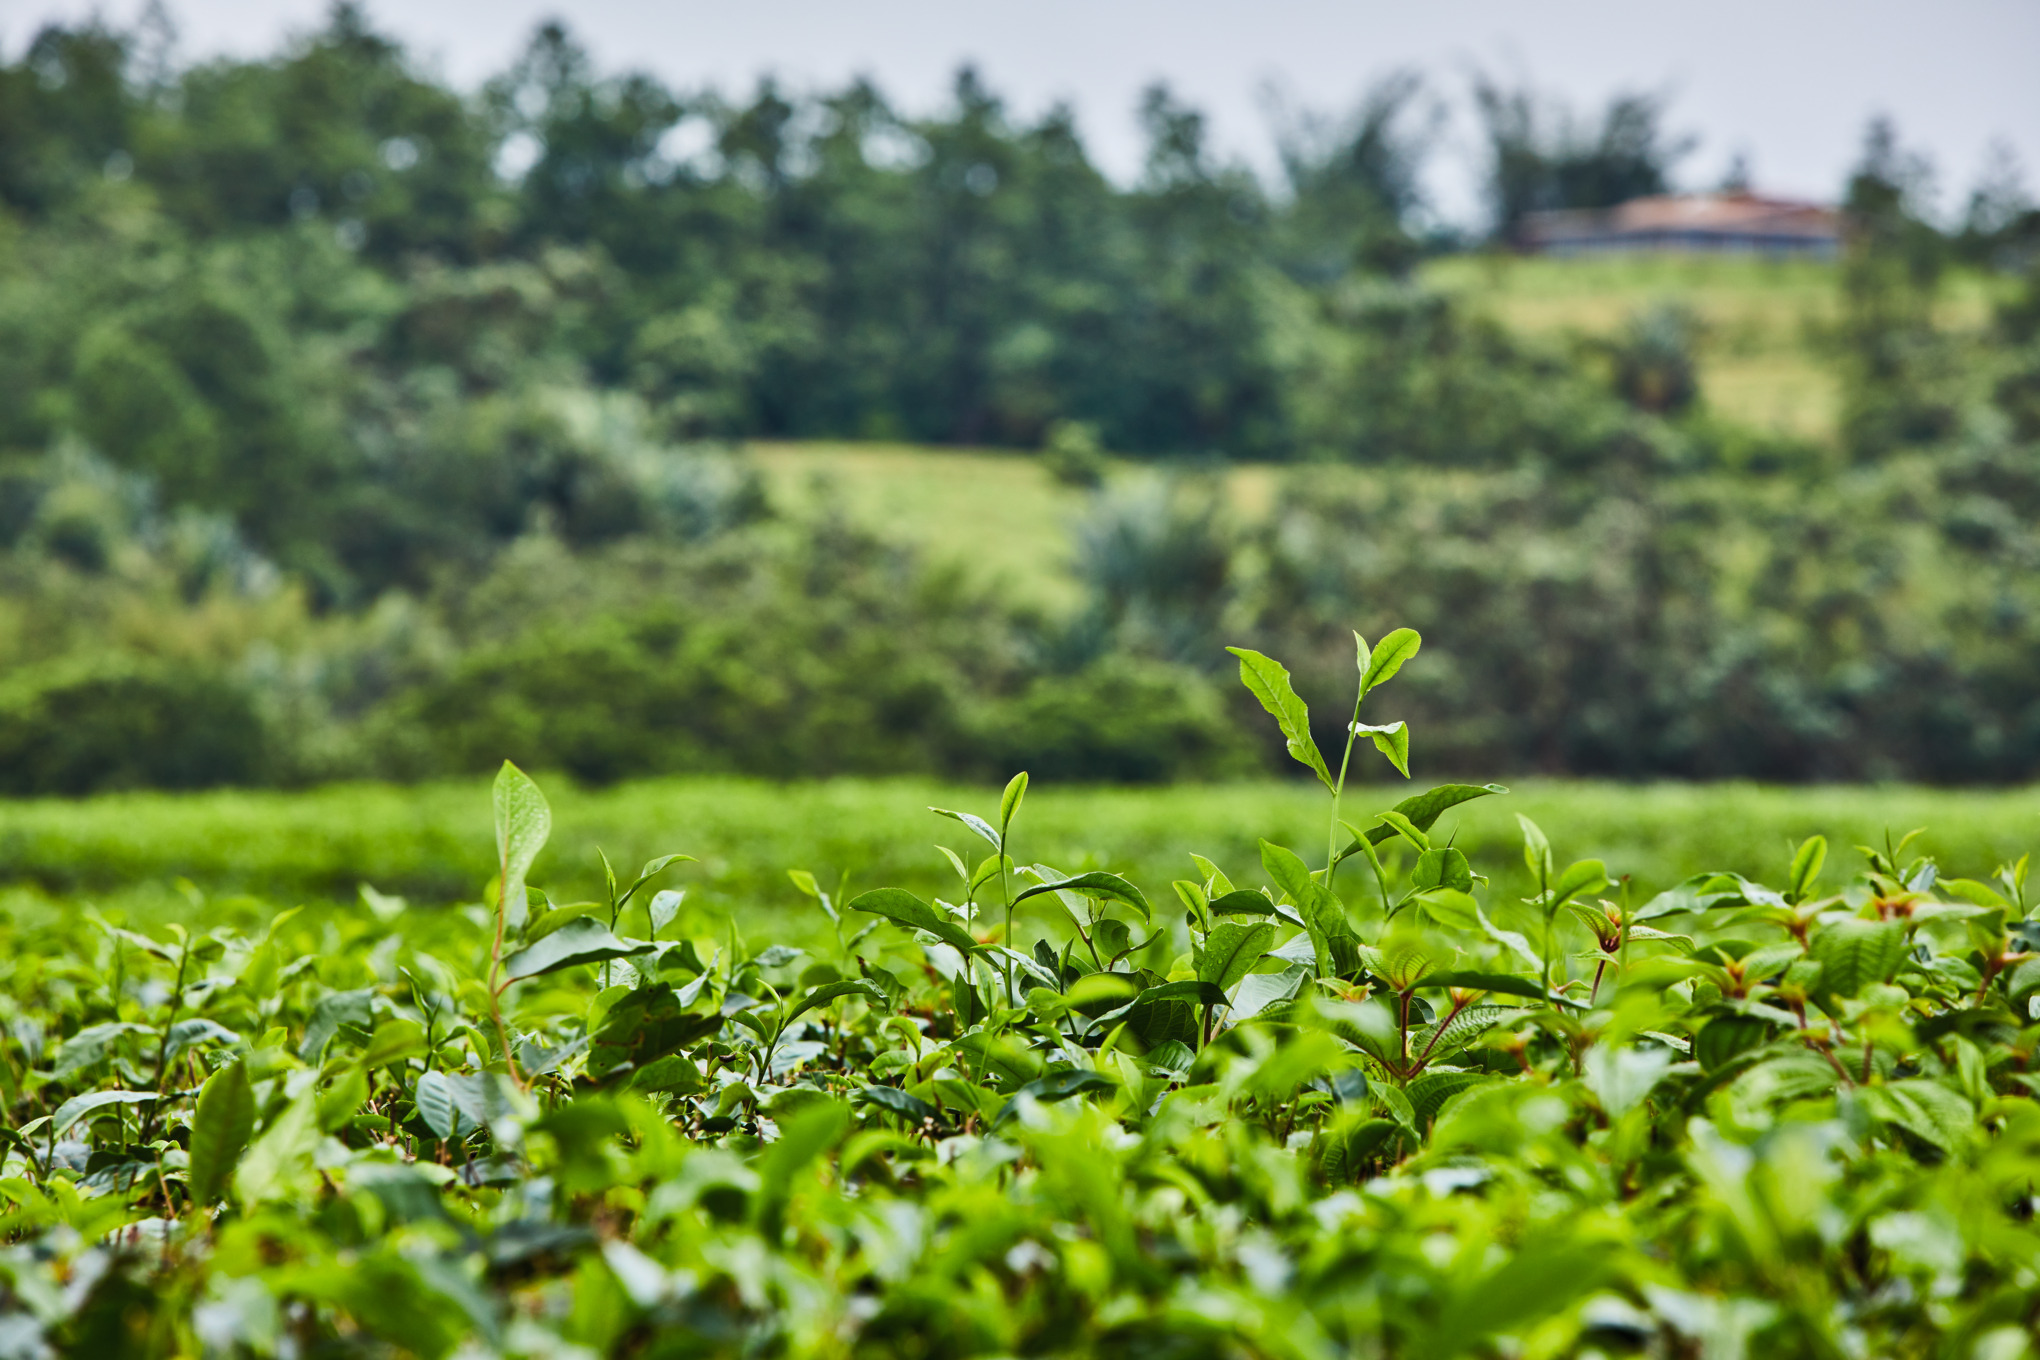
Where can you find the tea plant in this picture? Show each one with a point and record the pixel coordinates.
(1279, 1110)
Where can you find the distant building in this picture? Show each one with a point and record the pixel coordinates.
(1725, 223)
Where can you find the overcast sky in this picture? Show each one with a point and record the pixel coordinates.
(1788, 83)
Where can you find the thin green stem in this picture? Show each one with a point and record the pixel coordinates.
(1339, 789)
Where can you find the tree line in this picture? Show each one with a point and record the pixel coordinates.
(354, 424)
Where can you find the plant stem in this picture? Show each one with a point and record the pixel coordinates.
(1339, 789)
(495, 989)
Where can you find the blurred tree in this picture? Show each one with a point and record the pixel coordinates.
(1540, 157)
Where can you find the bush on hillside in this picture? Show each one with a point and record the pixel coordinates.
(95, 723)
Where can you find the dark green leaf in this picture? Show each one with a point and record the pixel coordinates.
(1243, 902)
(902, 908)
(895, 1101)
(1193, 990)
(1502, 983)
(1429, 1092)
(1095, 884)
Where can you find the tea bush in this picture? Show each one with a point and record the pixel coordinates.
(1278, 1110)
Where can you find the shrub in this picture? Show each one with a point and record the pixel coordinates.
(1120, 720)
(91, 723)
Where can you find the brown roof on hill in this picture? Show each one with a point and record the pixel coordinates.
(1690, 215)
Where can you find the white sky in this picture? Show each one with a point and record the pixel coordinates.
(1789, 83)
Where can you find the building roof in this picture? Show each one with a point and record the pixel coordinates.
(1696, 219)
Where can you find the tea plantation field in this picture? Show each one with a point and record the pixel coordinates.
(1572, 1070)
(252, 851)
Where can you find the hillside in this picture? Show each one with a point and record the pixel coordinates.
(1761, 321)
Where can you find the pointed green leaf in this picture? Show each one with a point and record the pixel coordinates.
(77, 1107)
(220, 1129)
(830, 991)
(902, 908)
(579, 941)
(1231, 951)
(1389, 655)
(1853, 954)
(1404, 827)
(1095, 884)
(1392, 741)
(1806, 868)
(523, 822)
(1268, 680)
(1243, 902)
(1009, 801)
(975, 823)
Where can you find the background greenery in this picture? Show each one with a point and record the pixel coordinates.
(353, 426)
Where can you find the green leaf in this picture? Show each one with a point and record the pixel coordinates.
(803, 1137)
(1536, 849)
(1392, 740)
(583, 940)
(1057, 1086)
(275, 1163)
(902, 908)
(1243, 902)
(1268, 680)
(1501, 983)
(1925, 1109)
(220, 1128)
(830, 991)
(439, 1106)
(1852, 954)
(545, 922)
(1095, 884)
(393, 1042)
(90, 1045)
(1009, 801)
(1806, 868)
(1622, 1078)
(1443, 867)
(77, 1107)
(1388, 657)
(1194, 990)
(523, 822)
(1429, 1092)
(1400, 825)
(1322, 912)
(665, 906)
(975, 823)
(1588, 875)
(1232, 950)
(673, 1074)
(334, 1010)
(893, 1100)
(1727, 1037)
(1423, 810)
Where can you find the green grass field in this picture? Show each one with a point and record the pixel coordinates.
(433, 843)
(1761, 320)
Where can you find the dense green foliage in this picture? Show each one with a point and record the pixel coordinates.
(1389, 1111)
(355, 427)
